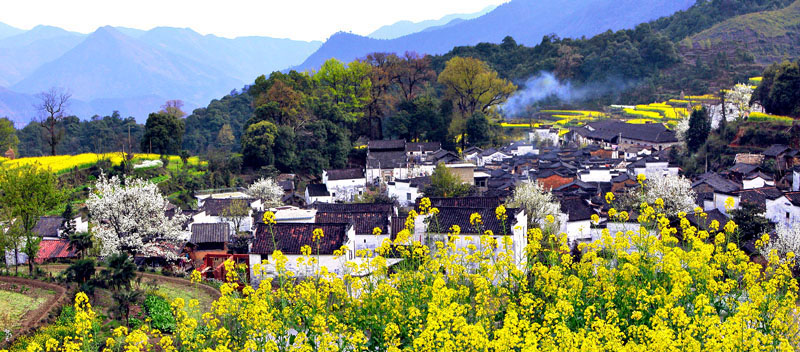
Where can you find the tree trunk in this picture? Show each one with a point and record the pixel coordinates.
(16, 257)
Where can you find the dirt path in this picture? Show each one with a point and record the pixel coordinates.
(33, 319)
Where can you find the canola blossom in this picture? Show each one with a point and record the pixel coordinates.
(63, 163)
(638, 289)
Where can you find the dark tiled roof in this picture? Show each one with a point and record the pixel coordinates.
(397, 144)
(215, 207)
(210, 233)
(467, 202)
(743, 168)
(754, 175)
(713, 214)
(775, 150)
(793, 197)
(471, 150)
(759, 196)
(449, 216)
(576, 208)
(363, 223)
(717, 183)
(48, 226)
(424, 146)
(420, 182)
(345, 174)
(317, 190)
(354, 208)
(443, 156)
(387, 160)
(610, 130)
(398, 224)
(54, 249)
(290, 237)
(287, 185)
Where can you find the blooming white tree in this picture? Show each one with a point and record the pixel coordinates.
(785, 240)
(681, 128)
(740, 95)
(131, 218)
(675, 191)
(537, 202)
(268, 191)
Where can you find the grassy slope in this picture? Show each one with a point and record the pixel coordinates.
(13, 305)
(770, 35)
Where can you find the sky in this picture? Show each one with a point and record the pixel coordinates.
(295, 19)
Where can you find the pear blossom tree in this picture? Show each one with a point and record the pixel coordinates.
(131, 218)
(740, 96)
(537, 202)
(675, 191)
(786, 240)
(268, 191)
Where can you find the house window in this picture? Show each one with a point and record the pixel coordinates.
(408, 196)
(787, 215)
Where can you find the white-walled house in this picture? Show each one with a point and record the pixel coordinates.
(575, 219)
(406, 192)
(317, 193)
(796, 179)
(597, 175)
(290, 238)
(344, 184)
(757, 180)
(544, 133)
(212, 210)
(492, 156)
(652, 167)
(516, 226)
(785, 209)
(364, 224)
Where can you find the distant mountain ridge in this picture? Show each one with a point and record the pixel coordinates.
(525, 20)
(131, 70)
(401, 28)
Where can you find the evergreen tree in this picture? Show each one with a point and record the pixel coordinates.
(699, 128)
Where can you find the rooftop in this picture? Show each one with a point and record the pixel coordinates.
(290, 237)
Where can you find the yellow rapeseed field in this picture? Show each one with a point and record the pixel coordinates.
(661, 284)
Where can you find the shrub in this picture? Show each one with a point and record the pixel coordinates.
(161, 318)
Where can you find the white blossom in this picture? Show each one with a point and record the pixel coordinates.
(131, 218)
(785, 240)
(675, 191)
(267, 190)
(740, 95)
(537, 202)
(681, 128)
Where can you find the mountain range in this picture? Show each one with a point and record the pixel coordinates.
(527, 21)
(131, 70)
(402, 28)
(135, 71)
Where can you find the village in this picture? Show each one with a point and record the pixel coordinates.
(580, 168)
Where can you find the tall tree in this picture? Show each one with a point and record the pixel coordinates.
(173, 108)
(445, 183)
(29, 192)
(8, 136)
(257, 144)
(345, 87)
(779, 91)
(412, 73)
(473, 86)
(163, 134)
(699, 128)
(478, 130)
(131, 219)
(52, 108)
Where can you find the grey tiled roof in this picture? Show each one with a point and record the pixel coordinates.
(210, 233)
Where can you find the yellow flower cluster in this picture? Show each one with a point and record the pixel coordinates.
(63, 163)
(639, 289)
